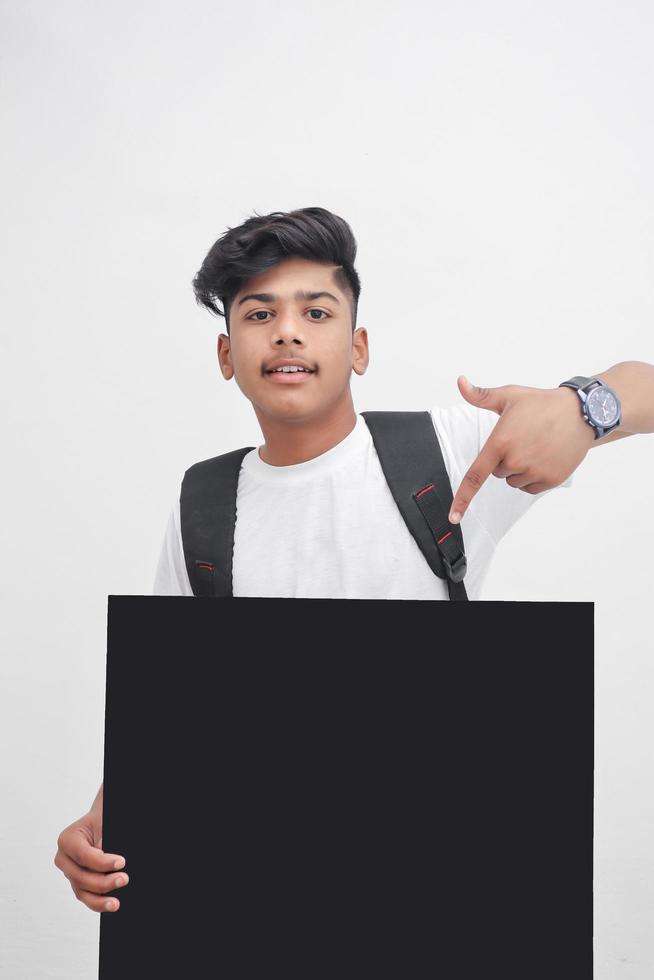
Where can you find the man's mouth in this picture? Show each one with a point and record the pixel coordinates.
(292, 374)
(289, 370)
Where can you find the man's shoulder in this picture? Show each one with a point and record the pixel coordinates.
(462, 430)
(231, 457)
(463, 417)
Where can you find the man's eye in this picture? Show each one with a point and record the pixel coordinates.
(256, 315)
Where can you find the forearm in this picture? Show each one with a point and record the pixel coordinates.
(634, 383)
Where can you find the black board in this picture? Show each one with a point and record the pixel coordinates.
(309, 788)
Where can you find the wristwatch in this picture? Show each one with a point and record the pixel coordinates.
(600, 405)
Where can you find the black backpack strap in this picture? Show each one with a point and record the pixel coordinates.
(413, 465)
(207, 506)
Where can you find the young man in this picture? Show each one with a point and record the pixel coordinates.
(287, 287)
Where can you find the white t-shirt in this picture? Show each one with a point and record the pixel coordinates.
(330, 528)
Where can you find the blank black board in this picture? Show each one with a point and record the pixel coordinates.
(326, 788)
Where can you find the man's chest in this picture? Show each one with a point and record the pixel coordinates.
(339, 539)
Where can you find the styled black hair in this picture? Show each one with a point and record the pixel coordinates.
(264, 241)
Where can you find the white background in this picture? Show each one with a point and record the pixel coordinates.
(494, 161)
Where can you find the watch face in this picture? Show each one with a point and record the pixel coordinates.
(602, 406)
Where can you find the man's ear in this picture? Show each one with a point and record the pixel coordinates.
(360, 353)
(225, 356)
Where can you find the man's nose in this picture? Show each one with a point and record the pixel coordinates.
(288, 331)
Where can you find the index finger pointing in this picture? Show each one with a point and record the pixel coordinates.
(474, 479)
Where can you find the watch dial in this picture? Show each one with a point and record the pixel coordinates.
(602, 406)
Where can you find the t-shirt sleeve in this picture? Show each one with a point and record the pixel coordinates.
(171, 576)
(462, 431)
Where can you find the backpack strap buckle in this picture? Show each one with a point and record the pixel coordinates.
(447, 540)
(455, 561)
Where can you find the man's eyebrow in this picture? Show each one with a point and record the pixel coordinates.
(300, 294)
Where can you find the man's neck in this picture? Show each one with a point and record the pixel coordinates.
(287, 443)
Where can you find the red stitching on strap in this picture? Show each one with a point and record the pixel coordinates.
(425, 489)
(444, 536)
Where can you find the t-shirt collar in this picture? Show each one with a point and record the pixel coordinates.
(333, 458)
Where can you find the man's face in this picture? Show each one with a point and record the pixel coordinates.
(295, 312)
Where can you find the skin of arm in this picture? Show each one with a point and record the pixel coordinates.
(541, 437)
(634, 383)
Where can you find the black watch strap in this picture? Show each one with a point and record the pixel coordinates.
(578, 382)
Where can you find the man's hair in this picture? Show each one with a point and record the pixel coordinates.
(264, 241)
